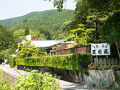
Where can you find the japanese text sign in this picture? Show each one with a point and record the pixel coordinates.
(100, 49)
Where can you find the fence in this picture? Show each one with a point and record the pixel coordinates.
(63, 51)
(102, 61)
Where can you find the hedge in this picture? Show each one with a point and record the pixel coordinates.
(75, 61)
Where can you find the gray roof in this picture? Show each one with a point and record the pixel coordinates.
(45, 43)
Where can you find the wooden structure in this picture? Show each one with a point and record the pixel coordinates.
(67, 50)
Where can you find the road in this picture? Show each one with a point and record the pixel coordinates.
(64, 84)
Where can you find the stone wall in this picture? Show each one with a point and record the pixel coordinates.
(93, 78)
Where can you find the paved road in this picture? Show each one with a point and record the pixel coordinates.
(64, 84)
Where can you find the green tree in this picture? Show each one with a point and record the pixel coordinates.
(111, 30)
(87, 16)
(94, 21)
(19, 32)
(6, 38)
(86, 13)
(81, 35)
(6, 54)
(19, 35)
(27, 31)
(28, 50)
(45, 31)
(104, 6)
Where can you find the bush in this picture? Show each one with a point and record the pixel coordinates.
(27, 50)
(12, 62)
(37, 81)
(6, 54)
(5, 85)
(31, 81)
(75, 61)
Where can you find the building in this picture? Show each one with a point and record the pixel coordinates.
(63, 48)
(69, 47)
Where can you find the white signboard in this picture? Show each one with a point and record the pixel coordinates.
(100, 49)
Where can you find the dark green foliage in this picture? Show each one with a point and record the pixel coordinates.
(2, 57)
(44, 31)
(80, 16)
(111, 28)
(6, 38)
(75, 61)
(104, 5)
(89, 17)
(27, 31)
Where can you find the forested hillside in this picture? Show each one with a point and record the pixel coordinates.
(45, 22)
(40, 23)
(11, 21)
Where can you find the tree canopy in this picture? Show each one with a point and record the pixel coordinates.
(6, 38)
(101, 15)
(104, 5)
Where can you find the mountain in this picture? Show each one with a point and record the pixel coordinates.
(44, 24)
(11, 21)
(48, 18)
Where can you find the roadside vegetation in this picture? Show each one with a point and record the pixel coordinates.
(30, 81)
(6, 81)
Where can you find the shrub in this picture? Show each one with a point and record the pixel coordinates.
(37, 81)
(5, 82)
(27, 50)
(5, 85)
(31, 81)
(75, 61)
(12, 62)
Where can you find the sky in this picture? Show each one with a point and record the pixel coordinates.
(15, 8)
